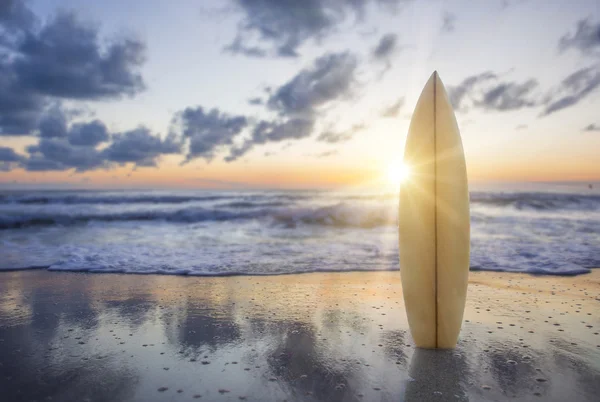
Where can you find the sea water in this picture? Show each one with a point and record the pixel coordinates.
(554, 231)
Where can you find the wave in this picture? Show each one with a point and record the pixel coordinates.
(538, 201)
(286, 213)
(52, 198)
(340, 215)
(519, 200)
(249, 204)
(108, 199)
(189, 215)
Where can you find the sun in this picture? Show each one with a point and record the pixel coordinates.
(397, 173)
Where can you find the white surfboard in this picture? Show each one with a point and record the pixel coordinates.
(434, 223)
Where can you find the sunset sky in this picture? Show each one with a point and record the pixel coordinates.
(289, 94)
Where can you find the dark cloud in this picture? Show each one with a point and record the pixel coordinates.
(140, 147)
(487, 91)
(586, 38)
(329, 78)
(63, 146)
(9, 159)
(15, 16)
(278, 131)
(386, 46)
(460, 92)
(284, 25)
(88, 134)
(238, 47)
(508, 96)
(572, 89)
(20, 108)
(207, 132)
(281, 27)
(66, 59)
(589, 127)
(9, 155)
(58, 154)
(448, 22)
(62, 58)
(53, 124)
(333, 137)
(255, 101)
(273, 131)
(299, 101)
(393, 110)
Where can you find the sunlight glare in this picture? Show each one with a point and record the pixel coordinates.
(397, 172)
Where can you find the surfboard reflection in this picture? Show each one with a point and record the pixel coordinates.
(437, 375)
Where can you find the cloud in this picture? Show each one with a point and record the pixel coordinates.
(140, 147)
(330, 77)
(460, 92)
(281, 27)
(61, 58)
(486, 91)
(238, 47)
(386, 46)
(20, 108)
(207, 132)
(15, 16)
(284, 25)
(589, 127)
(393, 110)
(508, 96)
(326, 154)
(448, 22)
(333, 137)
(88, 134)
(66, 59)
(62, 146)
(9, 159)
(273, 131)
(53, 124)
(299, 101)
(255, 101)
(571, 90)
(58, 154)
(9, 155)
(586, 38)
(521, 127)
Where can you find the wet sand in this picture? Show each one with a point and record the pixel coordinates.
(326, 337)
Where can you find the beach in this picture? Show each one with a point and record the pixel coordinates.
(316, 337)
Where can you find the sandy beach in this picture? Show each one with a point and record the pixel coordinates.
(329, 337)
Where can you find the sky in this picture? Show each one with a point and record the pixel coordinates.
(288, 94)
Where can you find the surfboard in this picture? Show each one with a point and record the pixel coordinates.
(433, 222)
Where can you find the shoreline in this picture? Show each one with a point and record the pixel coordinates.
(325, 336)
(238, 274)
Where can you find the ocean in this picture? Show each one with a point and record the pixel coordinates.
(551, 231)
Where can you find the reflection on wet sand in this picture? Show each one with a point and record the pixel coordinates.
(438, 375)
(325, 337)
